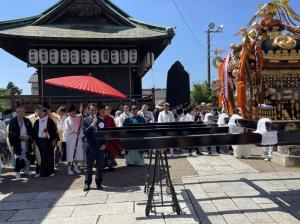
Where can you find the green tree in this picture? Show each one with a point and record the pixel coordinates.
(10, 89)
(201, 93)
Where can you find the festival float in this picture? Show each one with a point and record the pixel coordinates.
(260, 77)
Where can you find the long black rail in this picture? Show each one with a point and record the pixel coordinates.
(180, 135)
(157, 132)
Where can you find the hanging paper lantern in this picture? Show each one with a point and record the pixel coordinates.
(150, 59)
(124, 56)
(54, 56)
(65, 56)
(105, 56)
(95, 57)
(33, 56)
(75, 57)
(85, 57)
(114, 57)
(132, 56)
(43, 56)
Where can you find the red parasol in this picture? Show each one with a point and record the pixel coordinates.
(86, 83)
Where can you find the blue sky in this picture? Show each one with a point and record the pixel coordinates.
(233, 14)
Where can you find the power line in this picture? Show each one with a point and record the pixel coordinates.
(188, 26)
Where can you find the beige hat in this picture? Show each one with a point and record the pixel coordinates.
(160, 105)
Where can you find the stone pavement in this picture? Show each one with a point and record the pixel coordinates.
(224, 190)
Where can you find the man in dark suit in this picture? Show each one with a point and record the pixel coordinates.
(20, 138)
(93, 147)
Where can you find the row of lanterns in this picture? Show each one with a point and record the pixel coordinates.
(85, 57)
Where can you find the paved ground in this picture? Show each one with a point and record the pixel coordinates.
(123, 176)
(210, 189)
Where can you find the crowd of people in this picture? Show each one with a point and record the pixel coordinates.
(46, 138)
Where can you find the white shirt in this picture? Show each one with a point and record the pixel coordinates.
(181, 118)
(42, 126)
(61, 126)
(189, 117)
(122, 118)
(148, 116)
(164, 117)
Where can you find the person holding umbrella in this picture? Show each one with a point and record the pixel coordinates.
(73, 134)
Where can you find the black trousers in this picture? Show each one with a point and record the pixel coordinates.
(64, 151)
(20, 164)
(217, 149)
(93, 155)
(47, 157)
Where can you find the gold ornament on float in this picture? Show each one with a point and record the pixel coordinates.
(285, 42)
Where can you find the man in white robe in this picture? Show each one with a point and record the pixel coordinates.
(269, 138)
(239, 151)
(167, 116)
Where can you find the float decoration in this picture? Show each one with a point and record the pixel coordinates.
(264, 69)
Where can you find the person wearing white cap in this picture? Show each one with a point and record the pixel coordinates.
(239, 151)
(221, 123)
(221, 120)
(269, 138)
(158, 108)
(208, 120)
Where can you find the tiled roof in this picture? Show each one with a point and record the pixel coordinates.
(67, 31)
(41, 26)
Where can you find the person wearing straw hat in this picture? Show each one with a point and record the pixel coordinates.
(73, 134)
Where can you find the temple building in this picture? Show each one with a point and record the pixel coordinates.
(78, 37)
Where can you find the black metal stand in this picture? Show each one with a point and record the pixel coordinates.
(160, 165)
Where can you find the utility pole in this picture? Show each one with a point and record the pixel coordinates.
(208, 58)
(211, 29)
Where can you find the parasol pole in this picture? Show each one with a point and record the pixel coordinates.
(42, 84)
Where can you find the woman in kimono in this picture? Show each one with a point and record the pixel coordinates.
(73, 134)
(45, 136)
(239, 151)
(134, 157)
(113, 147)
